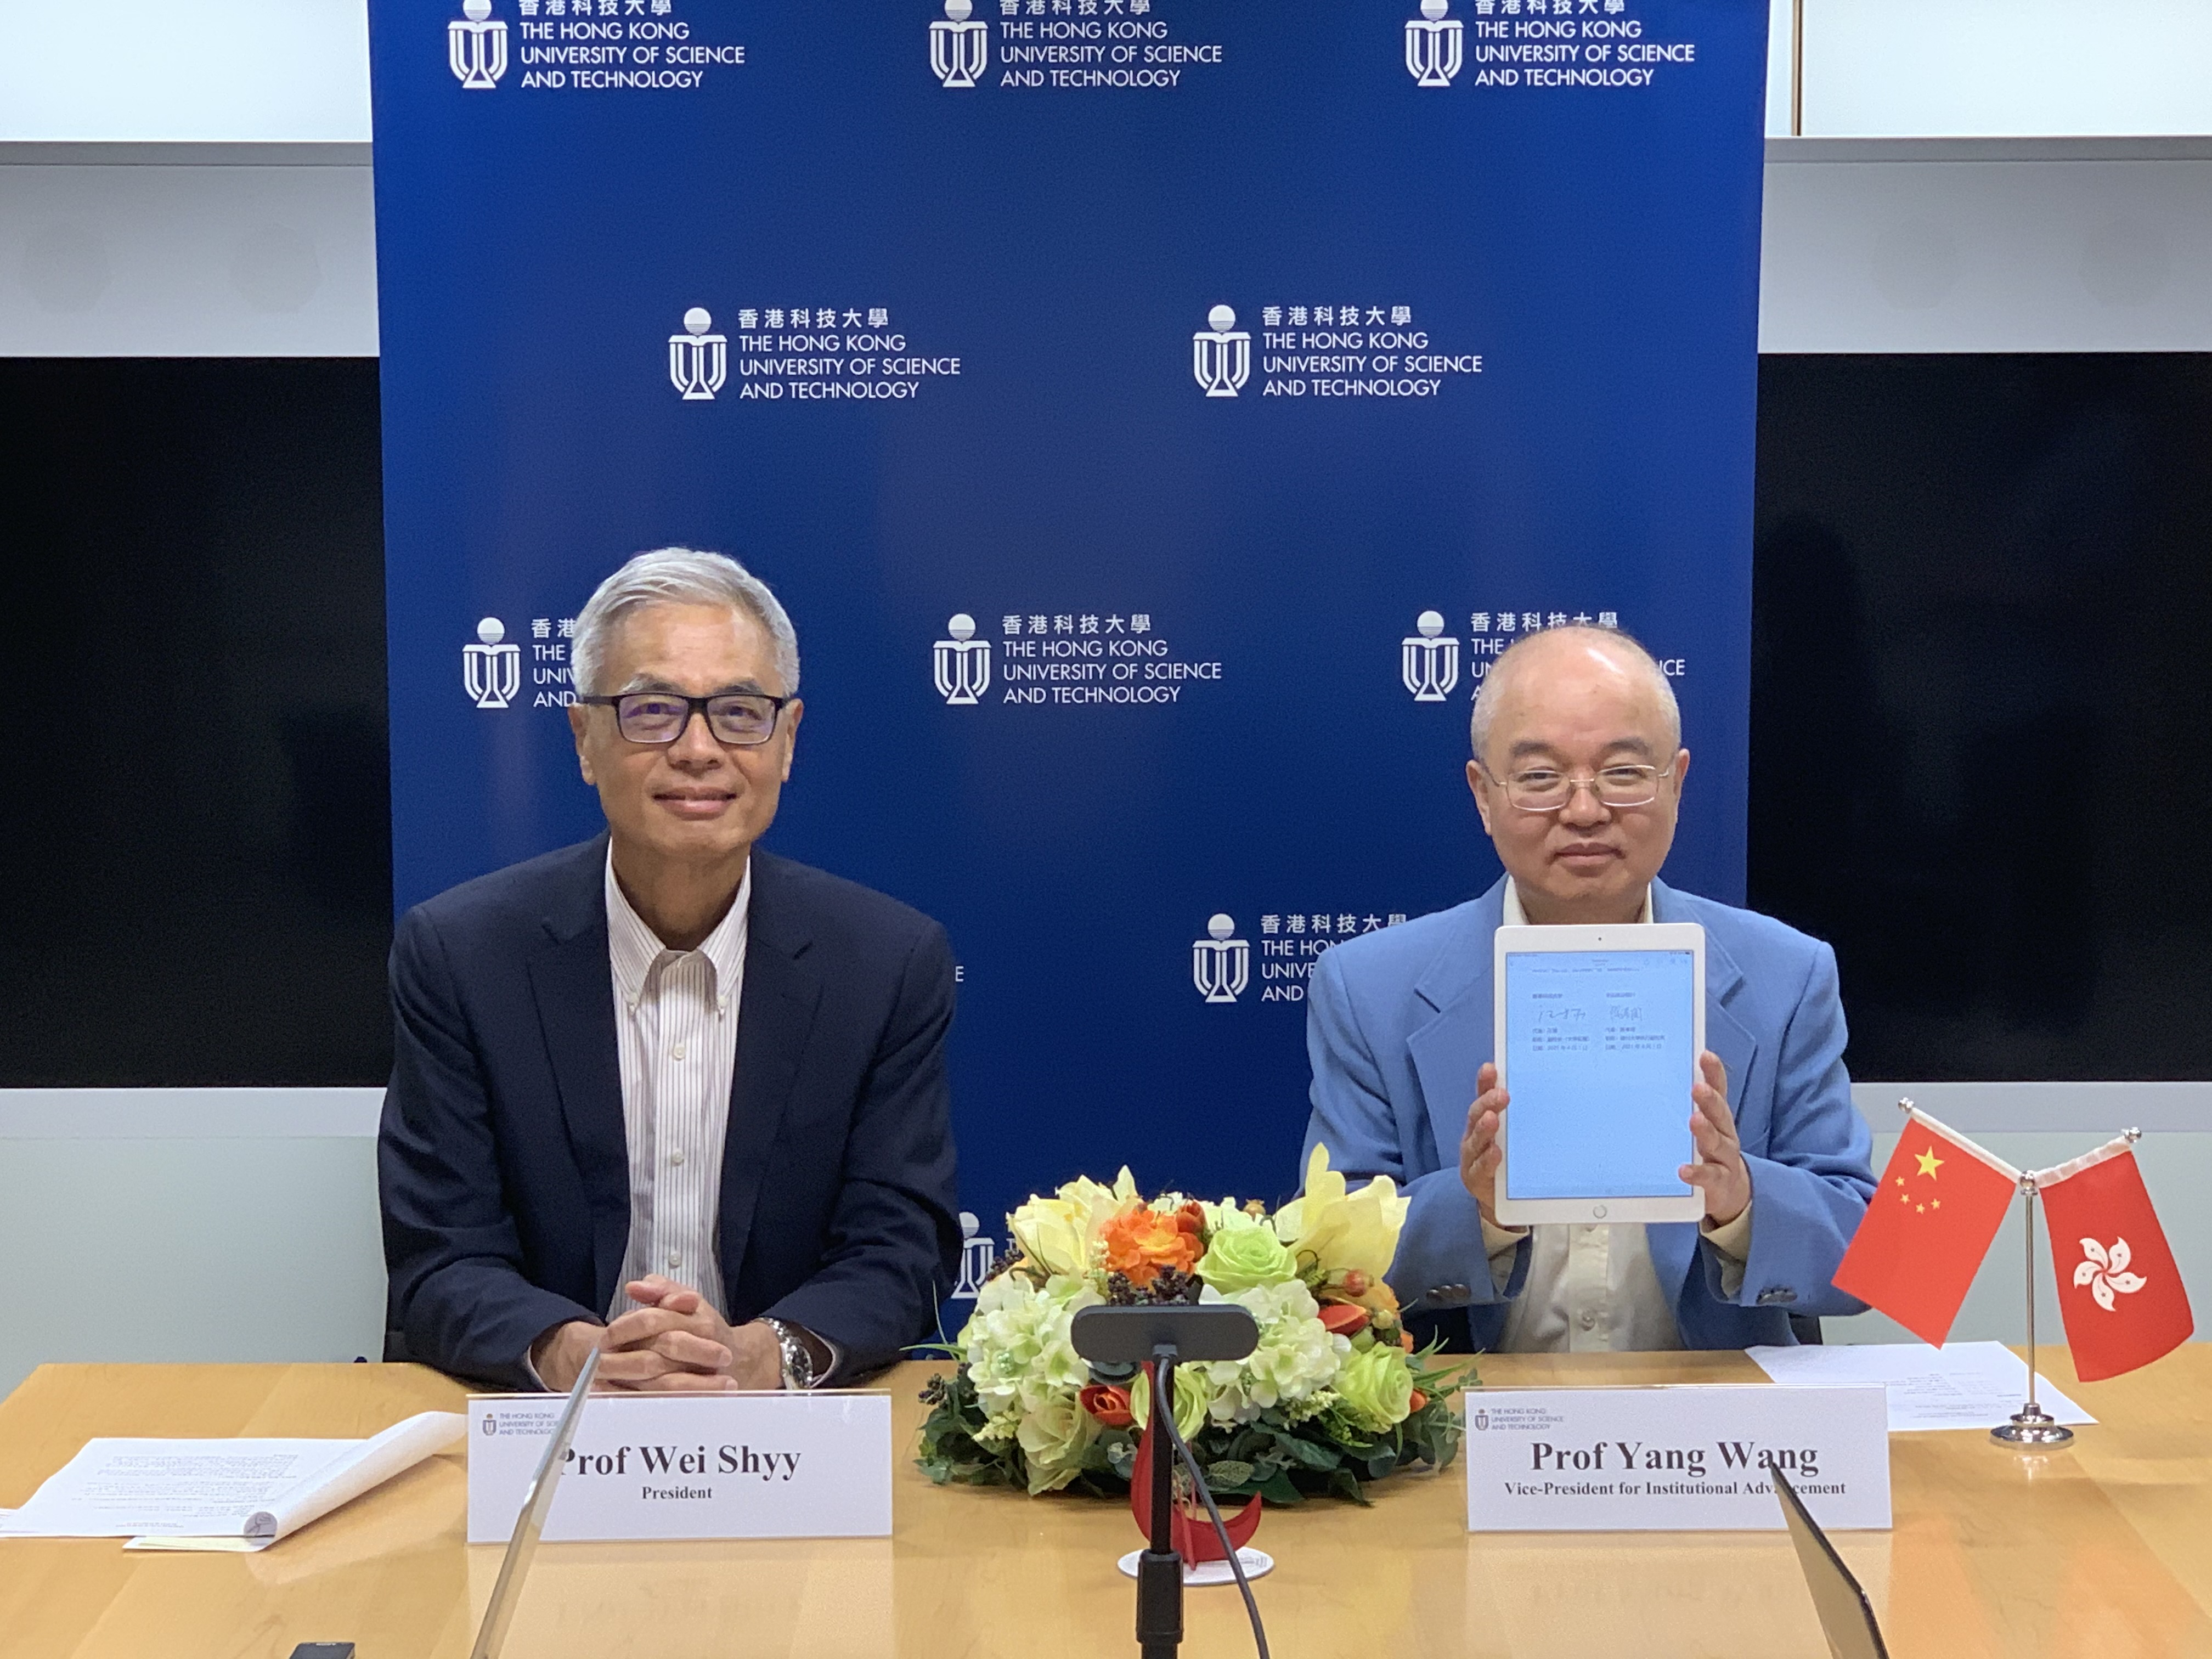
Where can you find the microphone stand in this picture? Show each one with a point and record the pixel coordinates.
(1159, 1569)
(1166, 1334)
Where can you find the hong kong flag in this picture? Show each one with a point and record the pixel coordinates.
(2118, 1285)
(1927, 1228)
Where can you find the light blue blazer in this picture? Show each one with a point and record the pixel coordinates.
(1399, 1021)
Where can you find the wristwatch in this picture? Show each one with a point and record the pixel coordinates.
(797, 1358)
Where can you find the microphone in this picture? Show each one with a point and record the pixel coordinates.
(1177, 1332)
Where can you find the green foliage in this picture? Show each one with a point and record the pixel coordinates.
(951, 1454)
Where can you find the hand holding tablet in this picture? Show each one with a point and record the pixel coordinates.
(1479, 1152)
(1719, 1172)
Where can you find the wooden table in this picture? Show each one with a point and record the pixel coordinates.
(2104, 1549)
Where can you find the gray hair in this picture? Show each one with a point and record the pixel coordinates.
(678, 575)
(1639, 659)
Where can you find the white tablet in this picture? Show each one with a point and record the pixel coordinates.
(1598, 1030)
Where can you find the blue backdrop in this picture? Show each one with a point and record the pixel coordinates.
(1138, 636)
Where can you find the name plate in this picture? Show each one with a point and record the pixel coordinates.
(1683, 1458)
(815, 1465)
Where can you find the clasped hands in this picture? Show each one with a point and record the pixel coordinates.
(675, 1342)
(1719, 1172)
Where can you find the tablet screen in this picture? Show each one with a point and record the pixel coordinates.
(1599, 1060)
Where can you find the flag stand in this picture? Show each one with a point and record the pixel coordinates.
(2031, 1424)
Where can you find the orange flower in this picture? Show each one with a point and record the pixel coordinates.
(1419, 1401)
(1109, 1402)
(1141, 1242)
(1344, 1318)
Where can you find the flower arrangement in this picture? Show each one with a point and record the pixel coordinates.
(1333, 1395)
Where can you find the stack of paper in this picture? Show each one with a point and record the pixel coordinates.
(1961, 1385)
(219, 1494)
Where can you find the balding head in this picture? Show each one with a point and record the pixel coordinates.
(1577, 772)
(1597, 649)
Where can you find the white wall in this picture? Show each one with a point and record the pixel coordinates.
(188, 1224)
(181, 71)
(1985, 245)
(191, 251)
(1996, 68)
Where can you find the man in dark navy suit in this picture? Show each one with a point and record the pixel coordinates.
(665, 1094)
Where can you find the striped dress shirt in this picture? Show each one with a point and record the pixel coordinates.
(676, 1017)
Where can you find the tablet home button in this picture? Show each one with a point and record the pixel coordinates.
(1598, 1213)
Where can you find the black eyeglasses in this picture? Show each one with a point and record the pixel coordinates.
(742, 719)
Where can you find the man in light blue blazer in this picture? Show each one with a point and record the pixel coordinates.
(1578, 772)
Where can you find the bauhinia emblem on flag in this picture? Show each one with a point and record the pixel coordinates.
(1927, 1227)
(2105, 1273)
(2123, 1302)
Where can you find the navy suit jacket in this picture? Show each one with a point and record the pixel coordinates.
(503, 1166)
(1399, 1021)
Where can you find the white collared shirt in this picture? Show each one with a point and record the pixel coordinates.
(676, 1022)
(1593, 1288)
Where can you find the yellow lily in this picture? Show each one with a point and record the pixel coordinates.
(1059, 1234)
(1335, 1233)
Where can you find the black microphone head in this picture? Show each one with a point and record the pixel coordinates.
(1178, 1331)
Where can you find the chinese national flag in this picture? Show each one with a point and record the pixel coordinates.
(1927, 1228)
(2118, 1285)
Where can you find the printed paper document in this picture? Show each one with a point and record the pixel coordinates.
(247, 1492)
(1961, 1385)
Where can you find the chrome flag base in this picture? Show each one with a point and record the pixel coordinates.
(2033, 1427)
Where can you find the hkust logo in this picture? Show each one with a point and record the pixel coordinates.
(1221, 963)
(1221, 354)
(960, 664)
(1428, 659)
(698, 361)
(1434, 47)
(979, 1253)
(959, 48)
(491, 669)
(476, 47)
